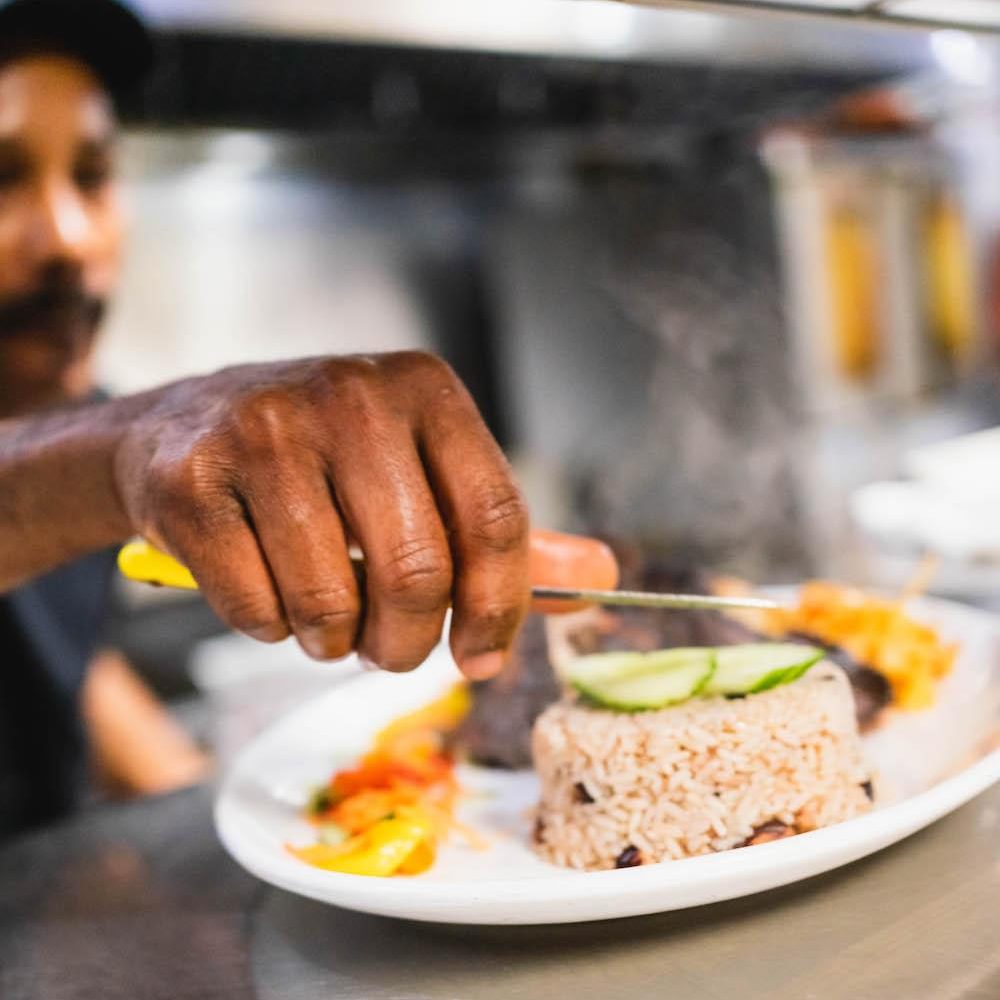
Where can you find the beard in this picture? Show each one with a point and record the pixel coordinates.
(46, 339)
(59, 312)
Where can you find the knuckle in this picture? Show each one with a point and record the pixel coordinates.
(353, 377)
(502, 522)
(268, 408)
(253, 613)
(325, 609)
(352, 387)
(421, 365)
(418, 576)
(175, 479)
(175, 491)
(496, 619)
(193, 491)
(171, 494)
(262, 419)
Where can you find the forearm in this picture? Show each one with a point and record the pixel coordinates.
(138, 746)
(58, 498)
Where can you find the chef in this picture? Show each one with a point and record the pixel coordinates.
(257, 477)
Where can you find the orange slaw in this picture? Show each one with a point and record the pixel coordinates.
(387, 814)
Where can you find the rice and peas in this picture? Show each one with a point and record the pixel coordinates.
(620, 789)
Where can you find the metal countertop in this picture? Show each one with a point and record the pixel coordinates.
(141, 902)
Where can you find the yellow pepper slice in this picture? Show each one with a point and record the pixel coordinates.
(399, 844)
(444, 713)
(420, 858)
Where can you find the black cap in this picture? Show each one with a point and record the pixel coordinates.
(105, 34)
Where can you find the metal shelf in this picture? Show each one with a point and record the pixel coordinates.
(683, 31)
(967, 15)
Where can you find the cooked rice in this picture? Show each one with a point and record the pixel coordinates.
(698, 777)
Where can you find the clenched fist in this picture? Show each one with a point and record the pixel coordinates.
(259, 478)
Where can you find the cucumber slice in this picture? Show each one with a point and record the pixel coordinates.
(759, 666)
(608, 666)
(637, 682)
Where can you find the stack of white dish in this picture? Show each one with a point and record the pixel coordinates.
(947, 507)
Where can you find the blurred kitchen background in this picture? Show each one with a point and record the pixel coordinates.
(716, 277)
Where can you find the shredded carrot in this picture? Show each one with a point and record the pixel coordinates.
(876, 632)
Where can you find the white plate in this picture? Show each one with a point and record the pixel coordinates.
(928, 764)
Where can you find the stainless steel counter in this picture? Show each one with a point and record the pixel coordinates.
(140, 902)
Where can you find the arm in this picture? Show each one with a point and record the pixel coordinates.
(58, 498)
(260, 476)
(137, 745)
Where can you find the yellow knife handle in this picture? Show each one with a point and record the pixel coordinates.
(143, 562)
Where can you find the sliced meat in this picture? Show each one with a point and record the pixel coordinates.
(872, 691)
(497, 730)
(644, 629)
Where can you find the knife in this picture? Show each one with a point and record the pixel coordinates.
(145, 563)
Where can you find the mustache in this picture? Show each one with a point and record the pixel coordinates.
(51, 307)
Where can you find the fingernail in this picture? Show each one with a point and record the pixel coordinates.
(367, 664)
(269, 633)
(483, 666)
(314, 643)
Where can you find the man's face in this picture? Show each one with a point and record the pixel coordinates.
(60, 227)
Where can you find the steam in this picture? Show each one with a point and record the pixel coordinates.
(711, 476)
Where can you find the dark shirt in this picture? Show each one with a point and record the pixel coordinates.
(49, 631)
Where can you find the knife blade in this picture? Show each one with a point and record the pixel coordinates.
(646, 599)
(145, 563)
